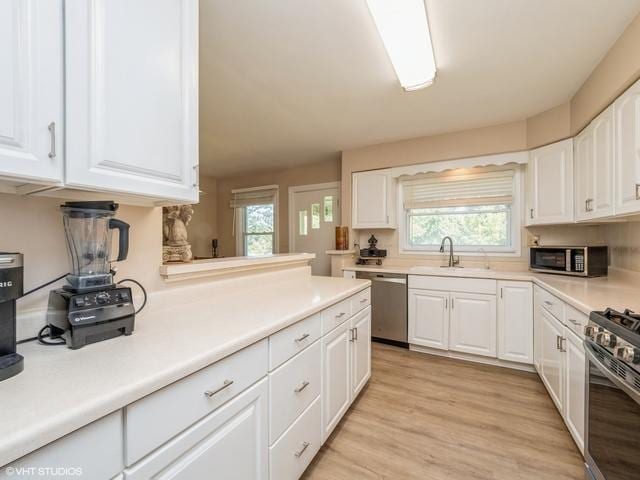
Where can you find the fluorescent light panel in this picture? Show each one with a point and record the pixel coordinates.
(404, 30)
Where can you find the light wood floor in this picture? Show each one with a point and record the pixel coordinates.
(430, 418)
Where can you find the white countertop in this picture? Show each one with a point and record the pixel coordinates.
(619, 290)
(61, 390)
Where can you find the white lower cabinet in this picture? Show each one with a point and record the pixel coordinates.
(472, 324)
(292, 453)
(230, 443)
(336, 377)
(574, 403)
(559, 357)
(360, 351)
(552, 359)
(429, 318)
(515, 321)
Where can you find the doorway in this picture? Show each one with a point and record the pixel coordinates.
(314, 212)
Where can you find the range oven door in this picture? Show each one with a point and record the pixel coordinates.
(612, 417)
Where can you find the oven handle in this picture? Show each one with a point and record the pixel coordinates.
(617, 381)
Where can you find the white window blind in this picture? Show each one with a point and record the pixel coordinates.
(253, 196)
(491, 188)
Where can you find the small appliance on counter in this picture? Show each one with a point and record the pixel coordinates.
(612, 348)
(576, 261)
(373, 253)
(91, 307)
(11, 275)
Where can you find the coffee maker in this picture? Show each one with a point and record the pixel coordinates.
(11, 275)
(91, 307)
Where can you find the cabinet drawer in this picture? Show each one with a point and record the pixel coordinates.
(551, 303)
(360, 301)
(291, 455)
(153, 420)
(94, 450)
(576, 320)
(453, 284)
(293, 339)
(228, 443)
(335, 315)
(292, 388)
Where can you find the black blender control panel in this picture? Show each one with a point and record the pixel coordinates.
(100, 298)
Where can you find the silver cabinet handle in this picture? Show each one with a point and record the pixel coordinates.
(637, 191)
(452, 303)
(340, 315)
(304, 385)
(52, 139)
(562, 340)
(226, 384)
(531, 213)
(352, 336)
(547, 302)
(196, 172)
(355, 331)
(302, 337)
(575, 322)
(299, 453)
(501, 291)
(446, 303)
(364, 300)
(557, 342)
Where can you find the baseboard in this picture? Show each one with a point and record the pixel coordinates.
(473, 358)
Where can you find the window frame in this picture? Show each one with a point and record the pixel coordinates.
(240, 221)
(515, 234)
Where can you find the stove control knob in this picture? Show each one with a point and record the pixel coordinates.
(628, 354)
(102, 298)
(606, 339)
(590, 331)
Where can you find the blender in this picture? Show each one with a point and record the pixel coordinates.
(91, 307)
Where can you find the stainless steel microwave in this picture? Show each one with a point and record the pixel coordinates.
(577, 261)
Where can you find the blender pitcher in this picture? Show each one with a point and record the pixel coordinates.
(88, 229)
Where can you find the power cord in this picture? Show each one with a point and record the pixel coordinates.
(41, 336)
(144, 292)
(44, 285)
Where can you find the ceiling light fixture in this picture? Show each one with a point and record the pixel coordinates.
(404, 30)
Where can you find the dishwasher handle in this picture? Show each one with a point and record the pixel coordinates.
(388, 280)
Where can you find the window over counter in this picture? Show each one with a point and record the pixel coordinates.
(255, 229)
(478, 208)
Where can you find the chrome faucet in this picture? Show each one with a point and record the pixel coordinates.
(452, 260)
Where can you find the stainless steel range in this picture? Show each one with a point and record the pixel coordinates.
(612, 346)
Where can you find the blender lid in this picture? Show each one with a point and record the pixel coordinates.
(107, 205)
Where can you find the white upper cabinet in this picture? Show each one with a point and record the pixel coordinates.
(626, 112)
(594, 168)
(132, 103)
(550, 184)
(31, 90)
(373, 201)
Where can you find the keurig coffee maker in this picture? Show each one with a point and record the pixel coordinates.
(11, 274)
(91, 307)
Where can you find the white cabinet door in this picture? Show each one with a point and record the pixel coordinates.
(537, 337)
(360, 351)
(626, 111)
(31, 90)
(373, 199)
(583, 160)
(472, 325)
(550, 179)
(574, 387)
(552, 357)
(594, 168)
(601, 202)
(132, 97)
(515, 321)
(336, 377)
(231, 442)
(429, 318)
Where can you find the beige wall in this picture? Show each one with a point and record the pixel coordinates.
(33, 226)
(549, 126)
(328, 171)
(204, 224)
(619, 68)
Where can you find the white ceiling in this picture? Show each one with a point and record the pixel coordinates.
(285, 82)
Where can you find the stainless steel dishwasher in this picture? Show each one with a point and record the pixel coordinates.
(388, 307)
